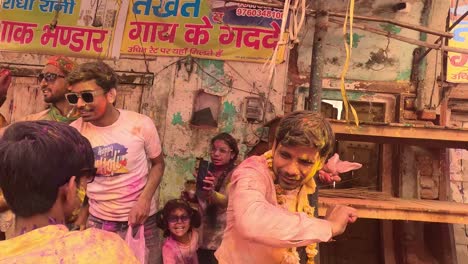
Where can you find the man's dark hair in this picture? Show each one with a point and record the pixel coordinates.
(36, 158)
(100, 72)
(308, 129)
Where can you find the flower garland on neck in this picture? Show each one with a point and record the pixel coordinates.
(302, 205)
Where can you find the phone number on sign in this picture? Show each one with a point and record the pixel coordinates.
(259, 13)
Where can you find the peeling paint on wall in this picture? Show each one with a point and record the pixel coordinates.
(378, 60)
(227, 117)
(215, 68)
(390, 28)
(177, 119)
(180, 167)
(356, 39)
(336, 95)
(404, 75)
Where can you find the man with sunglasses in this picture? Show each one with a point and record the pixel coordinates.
(43, 164)
(54, 86)
(124, 142)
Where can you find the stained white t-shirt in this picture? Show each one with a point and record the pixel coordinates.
(121, 152)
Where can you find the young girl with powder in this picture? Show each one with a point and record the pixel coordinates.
(178, 220)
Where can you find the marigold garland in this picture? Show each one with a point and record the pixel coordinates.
(292, 257)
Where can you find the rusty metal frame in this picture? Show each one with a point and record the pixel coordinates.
(125, 77)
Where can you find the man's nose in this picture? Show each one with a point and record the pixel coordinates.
(43, 83)
(292, 168)
(81, 102)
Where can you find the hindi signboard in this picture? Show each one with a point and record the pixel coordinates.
(457, 64)
(204, 29)
(68, 27)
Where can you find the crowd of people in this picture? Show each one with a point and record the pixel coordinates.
(75, 177)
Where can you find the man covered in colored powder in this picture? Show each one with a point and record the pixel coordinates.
(54, 86)
(269, 214)
(124, 142)
(41, 167)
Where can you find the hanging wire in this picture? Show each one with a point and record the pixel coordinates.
(222, 82)
(243, 77)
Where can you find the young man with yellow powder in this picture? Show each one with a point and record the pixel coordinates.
(269, 215)
(43, 164)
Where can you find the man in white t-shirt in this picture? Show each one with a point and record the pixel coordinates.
(124, 143)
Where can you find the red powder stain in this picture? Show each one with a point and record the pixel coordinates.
(136, 130)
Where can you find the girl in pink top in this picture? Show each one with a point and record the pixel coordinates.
(178, 220)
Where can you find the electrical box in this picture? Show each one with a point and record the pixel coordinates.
(252, 109)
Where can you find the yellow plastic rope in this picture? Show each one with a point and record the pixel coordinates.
(348, 48)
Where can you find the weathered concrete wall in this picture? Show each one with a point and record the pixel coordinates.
(458, 183)
(184, 143)
(169, 103)
(374, 57)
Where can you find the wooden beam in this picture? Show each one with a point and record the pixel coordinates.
(454, 24)
(402, 134)
(402, 38)
(399, 209)
(388, 242)
(370, 86)
(398, 23)
(32, 70)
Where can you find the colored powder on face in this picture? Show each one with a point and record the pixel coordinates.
(318, 164)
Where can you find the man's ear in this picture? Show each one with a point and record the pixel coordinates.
(71, 189)
(111, 95)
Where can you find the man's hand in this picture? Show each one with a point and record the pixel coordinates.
(330, 172)
(208, 182)
(339, 216)
(82, 217)
(139, 212)
(328, 177)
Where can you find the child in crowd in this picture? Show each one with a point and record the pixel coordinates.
(178, 220)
